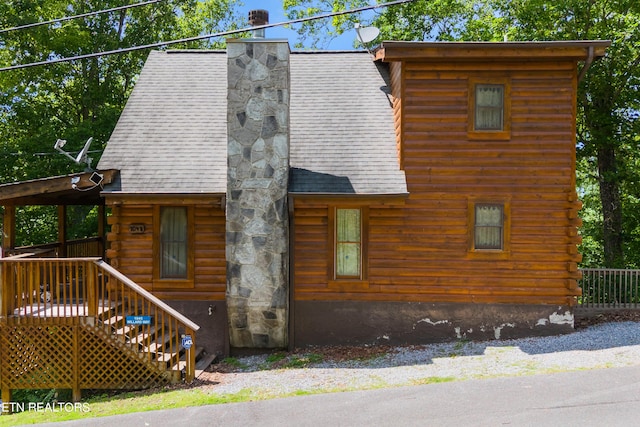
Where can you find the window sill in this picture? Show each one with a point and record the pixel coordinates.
(168, 284)
(488, 254)
(349, 285)
(484, 135)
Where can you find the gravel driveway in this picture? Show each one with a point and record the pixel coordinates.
(604, 345)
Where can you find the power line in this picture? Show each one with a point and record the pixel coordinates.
(208, 36)
(68, 18)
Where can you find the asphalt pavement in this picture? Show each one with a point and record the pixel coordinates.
(603, 397)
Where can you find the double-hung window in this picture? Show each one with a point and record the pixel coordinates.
(489, 227)
(489, 108)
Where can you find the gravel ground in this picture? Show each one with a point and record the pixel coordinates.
(593, 346)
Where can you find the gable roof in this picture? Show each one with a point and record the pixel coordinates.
(172, 134)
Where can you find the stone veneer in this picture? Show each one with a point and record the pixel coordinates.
(257, 180)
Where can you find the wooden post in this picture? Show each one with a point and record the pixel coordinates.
(6, 399)
(62, 231)
(91, 277)
(8, 238)
(102, 219)
(191, 358)
(76, 393)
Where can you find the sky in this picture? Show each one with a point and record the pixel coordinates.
(277, 14)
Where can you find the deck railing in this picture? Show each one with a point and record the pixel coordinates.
(78, 248)
(149, 323)
(605, 289)
(52, 291)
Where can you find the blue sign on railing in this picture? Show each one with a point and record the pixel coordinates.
(187, 342)
(138, 320)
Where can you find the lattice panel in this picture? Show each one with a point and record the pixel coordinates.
(37, 356)
(107, 364)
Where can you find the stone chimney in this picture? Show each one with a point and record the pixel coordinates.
(257, 227)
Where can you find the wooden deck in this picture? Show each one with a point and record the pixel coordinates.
(63, 325)
(60, 310)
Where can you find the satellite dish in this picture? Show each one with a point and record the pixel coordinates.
(82, 156)
(366, 34)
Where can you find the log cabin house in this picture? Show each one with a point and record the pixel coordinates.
(425, 194)
(420, 193)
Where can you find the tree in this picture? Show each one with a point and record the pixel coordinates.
(608, 97)
(82, 98)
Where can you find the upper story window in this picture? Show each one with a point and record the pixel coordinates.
(489, 108)
(489, 114)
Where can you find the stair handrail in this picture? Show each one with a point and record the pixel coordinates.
(148, 295)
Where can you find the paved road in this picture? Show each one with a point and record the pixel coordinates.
(605, 397)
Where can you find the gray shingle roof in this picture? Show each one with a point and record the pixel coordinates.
(172, 135)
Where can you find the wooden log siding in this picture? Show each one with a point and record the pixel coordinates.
(420, 251)
(132, 253)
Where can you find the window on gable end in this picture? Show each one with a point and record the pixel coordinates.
(489, 109)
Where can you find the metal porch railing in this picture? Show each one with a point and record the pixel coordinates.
(608, 289)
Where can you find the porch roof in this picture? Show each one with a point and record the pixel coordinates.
(73, 189)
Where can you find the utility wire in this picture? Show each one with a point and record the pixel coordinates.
(208, 36)
(68, 18)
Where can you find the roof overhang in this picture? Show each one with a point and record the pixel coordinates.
(578, 50)
(74, 189)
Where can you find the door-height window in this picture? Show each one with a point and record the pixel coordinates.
(348, 243)
(174, 243)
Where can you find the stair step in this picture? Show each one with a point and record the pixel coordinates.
(182, 363)
(159, 343)
(167, 358)
(113, 320)
(145, 336)
(108, 309)
(204, 362)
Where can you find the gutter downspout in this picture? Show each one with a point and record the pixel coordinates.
(587, 64)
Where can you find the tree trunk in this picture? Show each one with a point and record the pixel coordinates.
(611, 208)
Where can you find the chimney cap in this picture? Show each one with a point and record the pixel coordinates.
(258, 17)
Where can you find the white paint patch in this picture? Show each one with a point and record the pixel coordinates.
(542, 322)
(458, 335)
(498, 330)
(562, 319)
(431, 322)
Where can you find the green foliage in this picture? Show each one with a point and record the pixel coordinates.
(83, 98)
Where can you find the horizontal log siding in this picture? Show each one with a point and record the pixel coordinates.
(132, 254)
(419, 252)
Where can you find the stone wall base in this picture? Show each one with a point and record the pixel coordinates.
(400, 323)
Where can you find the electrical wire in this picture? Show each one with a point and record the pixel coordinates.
(207, 36)
(68, 18)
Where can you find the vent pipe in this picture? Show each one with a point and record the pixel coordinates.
(256, 18)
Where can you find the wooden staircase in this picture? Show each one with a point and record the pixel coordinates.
(78, 323)
(152, 342)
